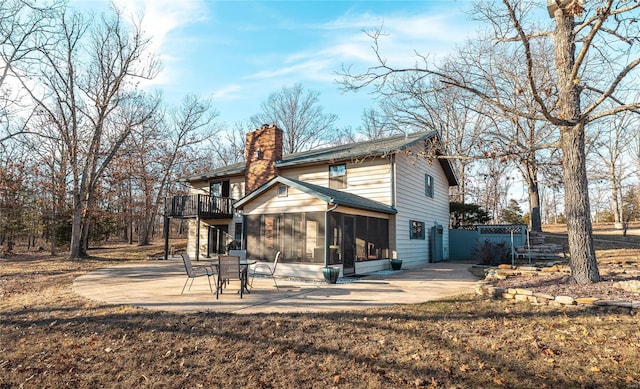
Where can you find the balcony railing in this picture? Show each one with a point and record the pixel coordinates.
(202, 205)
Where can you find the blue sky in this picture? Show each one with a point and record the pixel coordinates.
(239, 52)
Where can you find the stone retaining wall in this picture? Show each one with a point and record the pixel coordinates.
(485, 288)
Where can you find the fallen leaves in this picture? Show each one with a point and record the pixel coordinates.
(465, 342)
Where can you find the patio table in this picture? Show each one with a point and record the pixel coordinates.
(245, 263)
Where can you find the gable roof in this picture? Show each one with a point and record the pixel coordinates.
(378, 147)
(358, 149)
(328, 195)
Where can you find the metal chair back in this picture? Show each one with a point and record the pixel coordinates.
(229, 268)
(195, 271)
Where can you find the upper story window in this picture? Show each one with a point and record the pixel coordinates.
(283, 191)
(220, 188)
(428, 185)
(338, 176)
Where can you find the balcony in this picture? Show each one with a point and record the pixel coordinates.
(200, 205)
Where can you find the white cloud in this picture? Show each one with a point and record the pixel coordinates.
(160, 17)
(229, 92)
(345, 42)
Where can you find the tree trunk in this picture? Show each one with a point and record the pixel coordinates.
(615, 200)
(53, 223)
(84, 239)
(86, 220)
(584, 267)
(76, 228)
(145, 228)
(535, 221)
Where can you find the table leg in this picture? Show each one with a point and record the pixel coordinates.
(245, 283)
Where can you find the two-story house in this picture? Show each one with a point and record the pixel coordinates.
(353, 206)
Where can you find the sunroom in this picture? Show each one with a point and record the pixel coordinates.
(314, 226)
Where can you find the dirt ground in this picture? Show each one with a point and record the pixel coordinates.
(52, 338)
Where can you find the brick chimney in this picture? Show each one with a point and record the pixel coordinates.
(263, 149)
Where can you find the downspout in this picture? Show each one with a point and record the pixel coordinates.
(393, 243)
(197, 255)
(392, 158)
(326, 234)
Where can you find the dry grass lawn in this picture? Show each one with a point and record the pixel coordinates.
(49, 337)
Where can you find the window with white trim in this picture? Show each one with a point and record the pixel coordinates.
(338, 176)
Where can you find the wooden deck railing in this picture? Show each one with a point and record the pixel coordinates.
(205, 206)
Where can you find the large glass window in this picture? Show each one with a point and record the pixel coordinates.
(314, 238)
(298, 236)
(362, 246)
(370, 237)
(338, 176)
(293, 238)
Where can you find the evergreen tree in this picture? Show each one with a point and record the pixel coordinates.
(512, 214)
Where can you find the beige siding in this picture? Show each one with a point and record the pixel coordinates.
(361, 212)
(296, 201)
(191, 240)
(200, 187)
(370, 178)
(316, 174)
(236, 189)
(413, 204)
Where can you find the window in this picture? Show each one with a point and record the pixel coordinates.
(338, 176)
(417, 229)
(283, 191)
(220, 189)
(299, 236)
(428, 185)
(237, 232)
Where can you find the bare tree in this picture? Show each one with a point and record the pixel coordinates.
(611, 146)
(407, 106)
(584, 41)
(229, 148)
(16, 197)
(376, 124)
(51, 175)
(472, 130)
(163, 150)
(24, 29)
(86, 90)
(298, 113)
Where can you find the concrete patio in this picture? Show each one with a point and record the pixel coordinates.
(156, 285)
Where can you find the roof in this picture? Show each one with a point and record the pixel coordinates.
(358, 149)
(330, 196)
(378, 147)
(225, 171)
